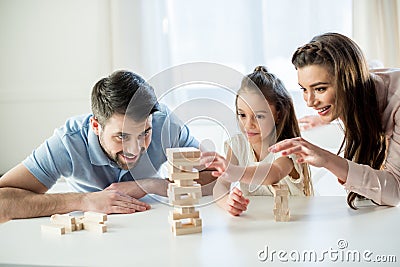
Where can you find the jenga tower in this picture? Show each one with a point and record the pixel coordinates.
(281, 199)
(184, 192)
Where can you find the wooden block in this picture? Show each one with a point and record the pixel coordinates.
(70, 228)
(185, 210)
(55, 229)
(182, 172)
(193, 225)
(284, 186)
(184, 195)
(95, 227)
(180, 190)
(285, 203)
(182, 153)
(78, 226)
(63, 219)
(282, 217)
(187, 230)
(278, 206)
(181, 175)
(278, 200)
(184, 182)
(282, 192)
(196, 221)
(173, 215)
(279, 190)
(179, 163)
(184, 200)
(96, 217)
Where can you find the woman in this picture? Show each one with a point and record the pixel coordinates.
(334, 76)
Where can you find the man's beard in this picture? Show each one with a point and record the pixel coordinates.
(116, 157)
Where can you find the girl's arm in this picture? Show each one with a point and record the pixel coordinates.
(268, 174)
(234, 202)
(265, 173)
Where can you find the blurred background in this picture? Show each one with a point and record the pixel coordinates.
(53, 51)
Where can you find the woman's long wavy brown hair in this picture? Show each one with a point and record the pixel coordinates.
(286, 127)
(356, 99)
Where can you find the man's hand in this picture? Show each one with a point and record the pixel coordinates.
(112, 201)
(130, 188)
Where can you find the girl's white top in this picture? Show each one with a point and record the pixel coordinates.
(244, 153)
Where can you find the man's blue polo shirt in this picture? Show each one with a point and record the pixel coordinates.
(74, 152)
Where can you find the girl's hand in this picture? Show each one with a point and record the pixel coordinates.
(224, 169)
(310, 122)
(236, 202)
(304, 151)
(214, 160)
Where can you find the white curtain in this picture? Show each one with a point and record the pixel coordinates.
(376, 28)
(139, 36)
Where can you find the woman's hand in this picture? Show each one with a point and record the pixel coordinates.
(313, 155)
(304, 151)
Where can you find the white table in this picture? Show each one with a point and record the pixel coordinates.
(144, 239)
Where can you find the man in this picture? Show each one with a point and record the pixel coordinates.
(110, 157)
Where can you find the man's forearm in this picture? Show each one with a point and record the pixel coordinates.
(18, 203)
(156, 186)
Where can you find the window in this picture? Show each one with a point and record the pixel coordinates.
(241, 35)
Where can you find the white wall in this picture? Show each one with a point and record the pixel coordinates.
(52, 52)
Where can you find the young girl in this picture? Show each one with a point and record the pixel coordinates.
(265, 115)
(334, 76)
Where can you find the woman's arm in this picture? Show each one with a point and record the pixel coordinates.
(382, 186)
(313, 155)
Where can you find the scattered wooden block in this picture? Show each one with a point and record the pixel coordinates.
(55, 229)
(96, 217)
(95, 227)
(79, 226)
(92, 221)
(64, 219)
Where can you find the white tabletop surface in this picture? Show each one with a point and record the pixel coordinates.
(322, 226)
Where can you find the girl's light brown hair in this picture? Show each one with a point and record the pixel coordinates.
(275, 93)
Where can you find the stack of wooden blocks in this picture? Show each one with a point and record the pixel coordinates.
(183, 191)
(65, 223)
(281, 202)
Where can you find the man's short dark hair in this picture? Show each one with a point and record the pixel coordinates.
(123, 92)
